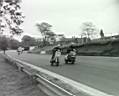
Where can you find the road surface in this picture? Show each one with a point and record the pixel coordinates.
(101, 73)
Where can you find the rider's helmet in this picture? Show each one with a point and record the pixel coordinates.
(74, 50)
(58, 45)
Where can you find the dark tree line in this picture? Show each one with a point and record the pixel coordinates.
(11, 43)
(8, 43)
(3, 43)
(28, 41)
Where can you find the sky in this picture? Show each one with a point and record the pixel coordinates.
(67, 16)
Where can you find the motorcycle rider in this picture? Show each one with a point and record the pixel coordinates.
(20, 50)
(57, 56)
(55, 52)
(71, 52)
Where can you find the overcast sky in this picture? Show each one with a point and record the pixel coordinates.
(66, 16)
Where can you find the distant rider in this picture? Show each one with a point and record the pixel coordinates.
(56, 52)
(19, 50)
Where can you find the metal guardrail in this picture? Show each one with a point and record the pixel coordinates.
(51, 88)
(45, 85)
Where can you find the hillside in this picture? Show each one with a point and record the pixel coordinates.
(103, 48)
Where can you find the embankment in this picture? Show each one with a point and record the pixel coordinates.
(103, 48)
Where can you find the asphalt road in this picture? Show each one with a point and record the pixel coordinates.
(97, 72)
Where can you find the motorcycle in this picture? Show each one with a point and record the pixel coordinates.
(70, 58)
(55, 61)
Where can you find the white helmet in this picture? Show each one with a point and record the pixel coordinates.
(58, 45)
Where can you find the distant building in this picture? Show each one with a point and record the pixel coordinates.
(59, 37)
(39, 39)
(72, 40)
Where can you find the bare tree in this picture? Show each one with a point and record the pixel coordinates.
(88, 30)
(46, 32)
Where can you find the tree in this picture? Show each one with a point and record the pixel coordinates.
(46, 32)
(10, 16)
(28, 41)
(3, 43)
(13, 43)
(102, 34)
(88, 30)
